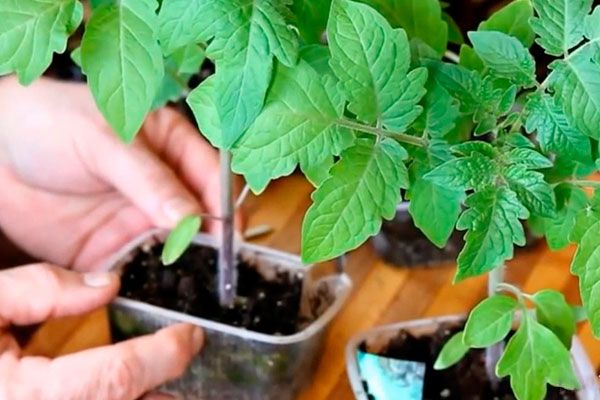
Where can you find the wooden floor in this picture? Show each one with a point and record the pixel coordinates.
(382, 294)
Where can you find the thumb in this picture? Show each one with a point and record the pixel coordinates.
(144, 179)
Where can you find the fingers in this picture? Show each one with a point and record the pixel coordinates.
(123, 371)
(143, 178)
(36, 292)
(168, 133)
(158, 396)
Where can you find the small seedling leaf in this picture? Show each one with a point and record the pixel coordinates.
(534, 357)
(180, 238)
(554, 313)
(452, 352)
(490, 321)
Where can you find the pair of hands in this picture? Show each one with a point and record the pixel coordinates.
(72, 194)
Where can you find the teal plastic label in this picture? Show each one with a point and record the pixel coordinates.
(391, 379)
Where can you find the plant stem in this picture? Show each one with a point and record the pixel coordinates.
(494, 352)
(242, 196)
(452, 56)
(380, 132)
(584, 183)
(227, 273)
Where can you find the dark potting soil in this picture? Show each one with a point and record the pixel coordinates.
(401, 243)
(190, 286)
(467, 380)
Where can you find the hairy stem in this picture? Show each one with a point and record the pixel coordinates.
(227, 273)
(586, 183)
(494, 352)
(380, 132)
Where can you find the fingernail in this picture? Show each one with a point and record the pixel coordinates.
(197, 339)
(176, 209)
(97, 279)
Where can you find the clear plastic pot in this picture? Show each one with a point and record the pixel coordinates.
(377, 339)
(236, 363)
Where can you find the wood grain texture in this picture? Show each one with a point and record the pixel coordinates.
(382, 293)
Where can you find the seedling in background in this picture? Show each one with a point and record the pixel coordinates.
(484, 145)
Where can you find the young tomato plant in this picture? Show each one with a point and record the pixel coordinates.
(359, 97)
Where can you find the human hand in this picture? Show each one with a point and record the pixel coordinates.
(123, 371)
(73, 193)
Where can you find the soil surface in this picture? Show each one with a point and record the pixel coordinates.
(190, 286)
(466, 380)
(401, 243)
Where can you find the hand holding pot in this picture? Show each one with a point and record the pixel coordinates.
(73, 193)
(124, 371)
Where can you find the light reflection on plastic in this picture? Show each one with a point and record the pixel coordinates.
(391, 379)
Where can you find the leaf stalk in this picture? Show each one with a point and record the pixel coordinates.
(383, 133)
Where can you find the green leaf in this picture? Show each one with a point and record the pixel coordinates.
(187, 22)
(180, 238)
(492, 221)
(474, 146)
(512, 19)
(202, 102)
(586, 217)
(123, 62)
(433, 208)
(244, 43)
(97, 3)
(242, 85)
(579, 313)
(534, 357)
(31, 31)
(505, 56)
(552, 311)
(569, 200)
(577, 86)
(589, 287)
(592, 25)
(364, 187)
(469, 59)
(420, 19)
(76, 56)
(179, 67)
(475, 171)
(317, 56)
(374, 76)
(461, 83)
(311, 18)
(298, 126)
(490, 321)
(586, 265)
(452, 352)
(188, 59)
(454, 33)
(528, 158)
(559, 23)
(440, 111)
(318, 173)
(517, 140)
(532, 190)
(553, 130)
